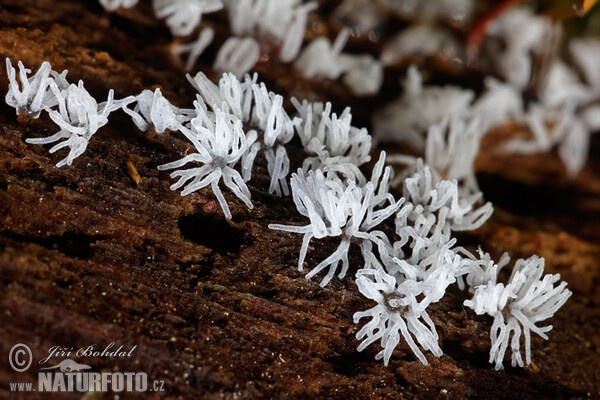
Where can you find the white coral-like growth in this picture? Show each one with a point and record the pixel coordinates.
(586, 55)
(263, 110)
(500, 103)
(557, 126)
(237, 55)
(520, 32)
(153, 109)
(334, 145)
(396, 313)
(183, 16)
(112, 5)
(33, 94)
(229, 95)
(280, 22)
(364, 74)
(451, 149)
(321, 59)
(527, 298)
(294, 36)
(565, 116)
(339, 209)
(220, 144)
(269, 116)
(408, 118)
(479, 271)
(195, 48)
(444, 199)
(79, 117)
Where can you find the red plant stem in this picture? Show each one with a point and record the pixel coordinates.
(481, 26)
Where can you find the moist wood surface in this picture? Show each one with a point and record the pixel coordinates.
(218, 308)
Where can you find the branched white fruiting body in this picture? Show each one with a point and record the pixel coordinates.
(404, 275)
(499, 104)
(443, 197)
(280, 22)
(418, 266)
(195, 48)
(479, 271)
(292, 41)
(565, 116)
(563, 88)
(321, 58)
(520, 32)
(112, 5)
(220, 144)
(31, 95)
(363, 74)
(237, 55)
(269, 116)
(567, 111)
(253, 104)
(396, 313)
(79, 117)
(229, 95)
(335, 146)
(586, 55)
(339, 209)
(451, 149)
(527, 298)
(183, 16)
(408, 118)
(153, 109)
(552, 126)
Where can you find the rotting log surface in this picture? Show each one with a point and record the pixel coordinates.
(219, 309)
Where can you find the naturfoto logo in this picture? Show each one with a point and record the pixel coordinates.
(69, 375)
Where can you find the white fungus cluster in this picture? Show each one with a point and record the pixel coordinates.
(153, 109)
(31, 95)
(518, 45)
(333, 145)
(220, 143)
(529, 297)
(420, 108)
(407, 248)
(195, 48)
(408, 118)
(183, 16)
(566, 112)
(259, 28)
(407, 271)
(564, 115)
(278, 22)
(70, 106)
(340, 208)
(362, 74)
